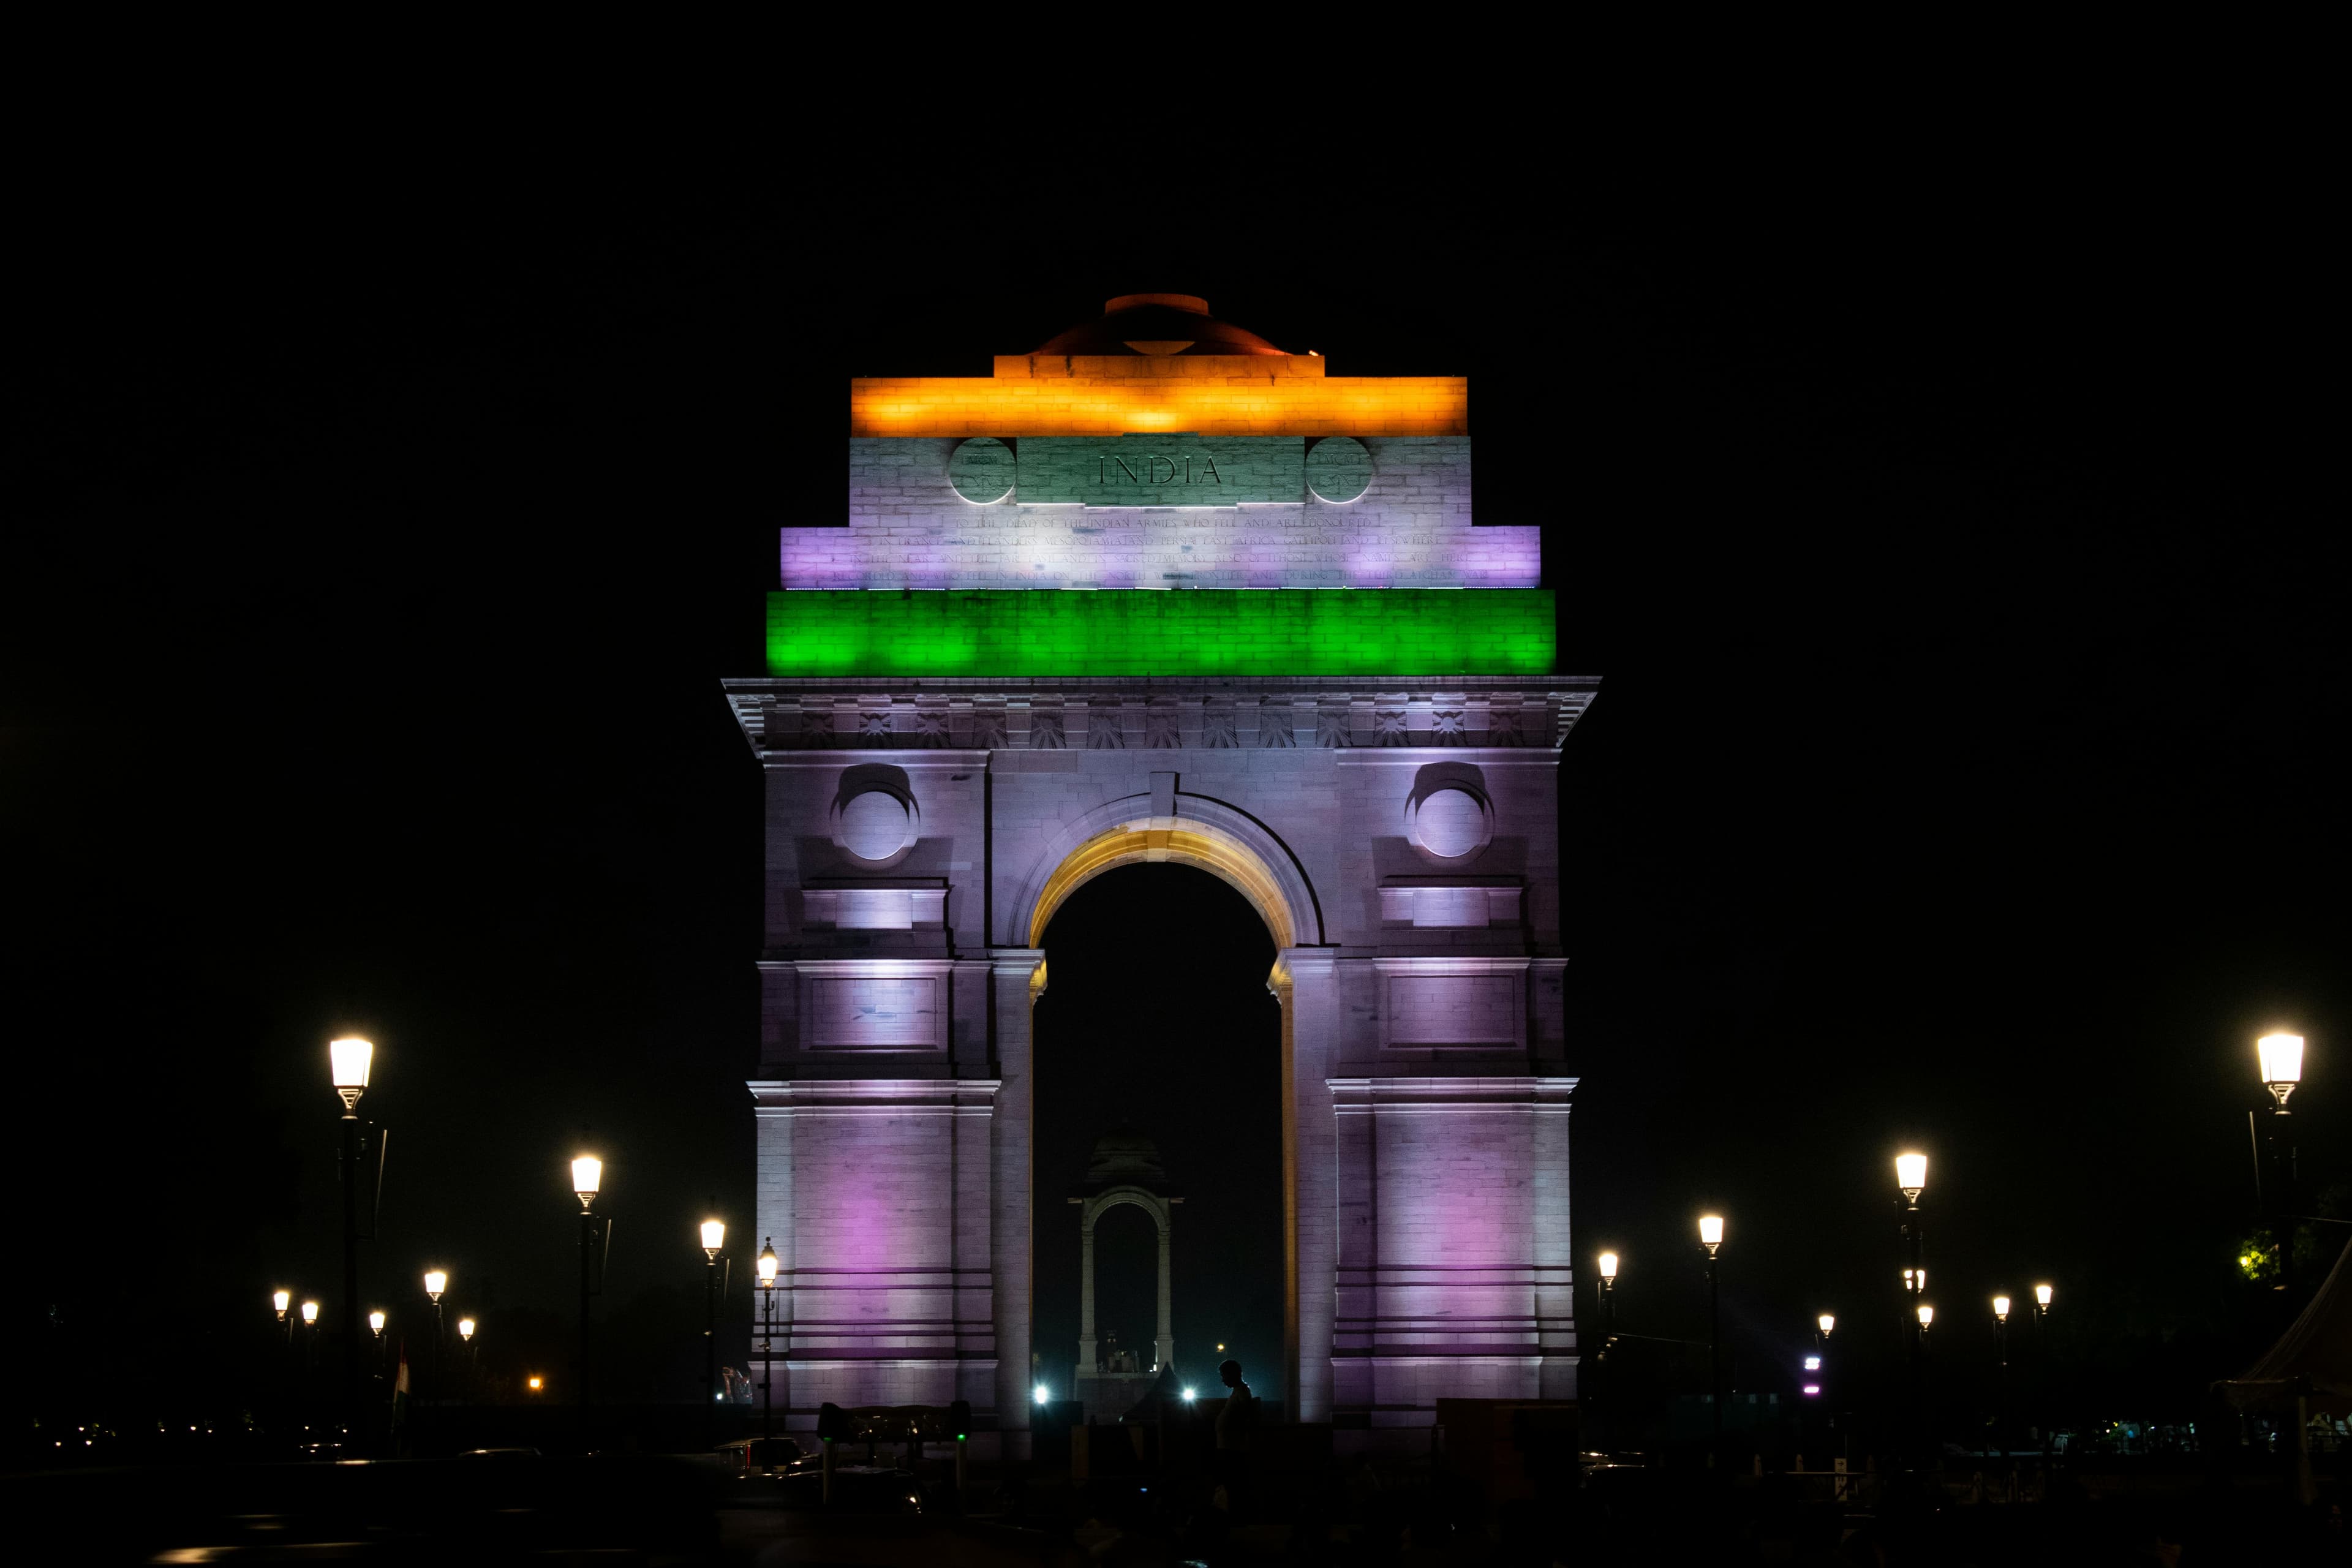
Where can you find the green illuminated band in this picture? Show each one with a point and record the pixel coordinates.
(1025, 632)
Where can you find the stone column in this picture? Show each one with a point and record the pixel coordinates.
(1087, 1352)
(1014, 974)
(1304, 983)
(1164, 1347)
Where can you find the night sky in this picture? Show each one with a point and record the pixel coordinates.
(1965, 772)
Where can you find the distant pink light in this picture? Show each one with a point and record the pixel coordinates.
(1812, 1389)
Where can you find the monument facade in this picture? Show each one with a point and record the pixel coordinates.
(1161, 592)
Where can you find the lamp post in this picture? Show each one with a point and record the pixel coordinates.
(767, 1352)
(1608, 1325)
(2041, 1295)
(349, 1059)
(714, 1236)
(465, 1337)
(309, 1357)
(2280, 1057)
(2000, 1343)
(1911, 1180)
(587, 1174)
(1711, 1236)
(436, 1281)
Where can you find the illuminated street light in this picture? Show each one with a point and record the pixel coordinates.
(1711, 1236)
(349, 1060)
(587, 1173)
(1911, 1176)
(2042, 1294)
(766, 1267)
(2000, 1341)
(1190, 1394)
(436, 1281)
(714, 1238)
(310, 1314)
(1608, 1269)
(376, 1322)
(465, 1330)
(1926, 1316)
(2282, 1064)
(2000, 1309)
(536, 1384)
(1041, 1393)
(1828, 1321)
(1607, 1261)
(281, 1300)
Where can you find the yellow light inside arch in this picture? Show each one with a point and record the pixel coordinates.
(1197, 845)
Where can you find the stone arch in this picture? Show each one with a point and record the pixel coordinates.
(1190, 831)
(1162, 1212)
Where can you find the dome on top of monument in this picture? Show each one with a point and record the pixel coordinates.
(1157, 324)
(1126, 1157)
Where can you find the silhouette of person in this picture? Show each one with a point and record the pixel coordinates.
(1235, 1419)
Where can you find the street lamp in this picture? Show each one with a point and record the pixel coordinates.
(766, 1267)
(465, 1330)
(310, 1314)
(1041, 1393)
(349, 1060)
(1911, 1180)
(1926, 1317)
(436, 1280)
(376, 1322)
(714, 1236)
(1608, 1324)
(2041, 1295)
(281, 1300)
(2280, 1057)
(2000, 1343)
(1828, 1321)
(1711, 1236)
(587, 1175)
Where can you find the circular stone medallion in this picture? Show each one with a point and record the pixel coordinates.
(874, 825)
(982, 470)
(1451, 824)
(1339, 468)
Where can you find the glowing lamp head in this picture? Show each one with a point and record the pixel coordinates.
(1041, 1393)
(1915, 1279)
(349, 1057)
(535, 1383)
(1827, 1322)
(1926, 1316)
(2001, 1308)
(714, 1236)
(376, 1322)
(2042, 1294)
(768, 1267)
(1911, 1175)
(309, 1311)
(1812, 1390)
(2281, 1063)
(1710, 1232)
(587, 1174)
(1812, 1363)
(1608, 1271)
(436, 1281)
(281, 1300)
(465, 1328)
(1190, 1394)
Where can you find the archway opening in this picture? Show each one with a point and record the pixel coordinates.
(1157, 1019)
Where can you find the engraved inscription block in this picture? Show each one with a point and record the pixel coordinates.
(874, 1013)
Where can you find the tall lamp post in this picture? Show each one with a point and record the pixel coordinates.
(1911, 1180)
(587, 1174)
(1711, 1236)
(350, 1059)
(465, 1337)
(2280, 1060)
(2001, 1342)
(436, 1281)
(1607, 1261)
(714, 1236)
(2041, 1295)
(766, 1353)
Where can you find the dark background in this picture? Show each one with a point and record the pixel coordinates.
(1966, 771)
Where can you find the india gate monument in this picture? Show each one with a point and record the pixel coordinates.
(1160, 591)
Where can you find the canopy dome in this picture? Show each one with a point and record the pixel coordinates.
(1157, 324)
(1124, 1157)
